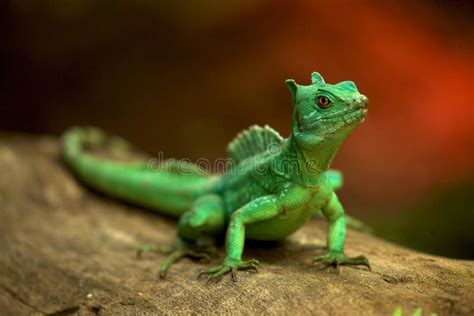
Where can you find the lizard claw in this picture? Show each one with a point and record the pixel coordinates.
(336, 259)
(179, 250)
(150, 249)
(231, 266)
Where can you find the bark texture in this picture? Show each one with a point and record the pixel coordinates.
(67, 250)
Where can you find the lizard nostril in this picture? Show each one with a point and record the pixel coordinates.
(364, 101)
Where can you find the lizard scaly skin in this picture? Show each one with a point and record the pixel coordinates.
(274, 187)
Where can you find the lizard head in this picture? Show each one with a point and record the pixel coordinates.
(325, 111)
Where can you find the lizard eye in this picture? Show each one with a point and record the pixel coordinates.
(323, 102)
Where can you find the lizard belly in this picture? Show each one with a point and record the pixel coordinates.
(280, 226)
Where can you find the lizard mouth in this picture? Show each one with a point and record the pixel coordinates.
(346, 117)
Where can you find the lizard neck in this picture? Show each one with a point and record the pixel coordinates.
(305, 164)
(321, 153)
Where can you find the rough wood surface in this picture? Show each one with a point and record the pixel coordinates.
(66, 250)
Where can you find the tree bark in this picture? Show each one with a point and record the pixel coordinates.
(67, 250)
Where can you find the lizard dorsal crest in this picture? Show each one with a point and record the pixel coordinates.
(252, 142)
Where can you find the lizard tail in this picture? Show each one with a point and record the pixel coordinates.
(170, 187)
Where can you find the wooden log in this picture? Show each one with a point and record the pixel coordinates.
(67, 250)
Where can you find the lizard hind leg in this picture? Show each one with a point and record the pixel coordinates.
(206, 218)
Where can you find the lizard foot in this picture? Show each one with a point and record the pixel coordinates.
(180, 249)
(336, 259)
(231, 266)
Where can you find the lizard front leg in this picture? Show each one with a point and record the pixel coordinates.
(260, 209)
(334, 213)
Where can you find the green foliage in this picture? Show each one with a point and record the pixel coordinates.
(416, 312)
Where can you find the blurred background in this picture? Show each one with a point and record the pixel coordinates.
(183, 77)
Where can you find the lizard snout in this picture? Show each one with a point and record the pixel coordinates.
(362, 101)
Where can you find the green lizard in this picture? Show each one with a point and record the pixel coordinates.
(274, 186)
